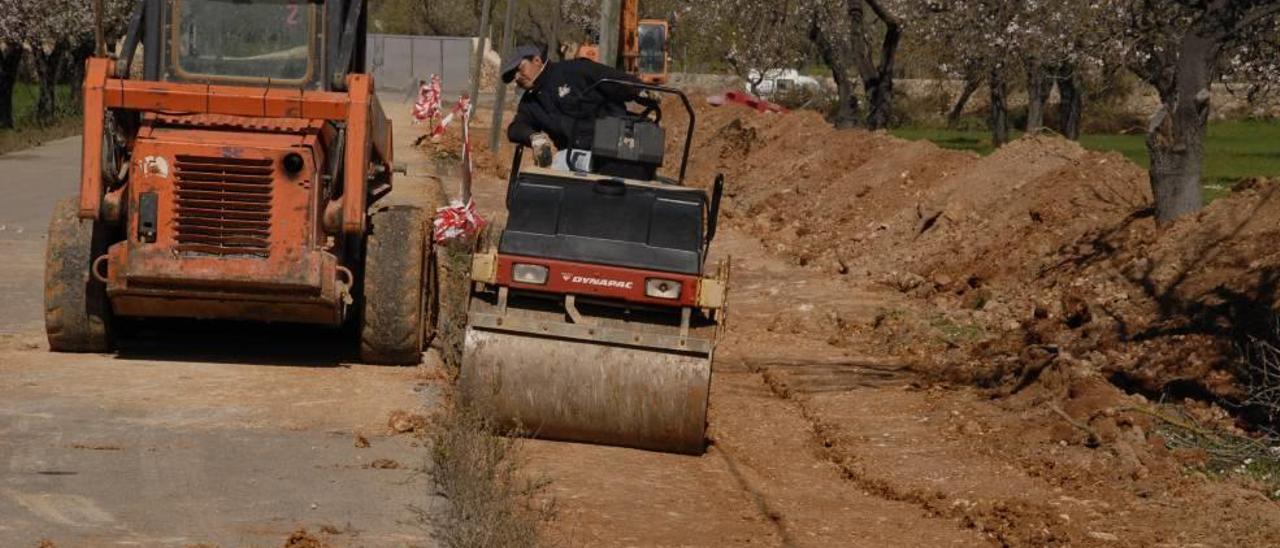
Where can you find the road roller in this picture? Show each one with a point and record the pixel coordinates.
(594, 313)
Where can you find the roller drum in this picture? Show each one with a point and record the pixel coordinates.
(587, 392)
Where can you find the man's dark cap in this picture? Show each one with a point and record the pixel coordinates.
(512, 62)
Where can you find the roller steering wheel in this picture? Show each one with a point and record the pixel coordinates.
(652, 109)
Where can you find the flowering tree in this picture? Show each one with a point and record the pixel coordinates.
(1255, 67)
(982, 36)
(1180, 47)
(48, 32)
(1049, 41)
(55, 33)
(844, 36)
(555, 23)
(10, 57)
(754, 37)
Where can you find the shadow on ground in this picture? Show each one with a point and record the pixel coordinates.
(195, 341)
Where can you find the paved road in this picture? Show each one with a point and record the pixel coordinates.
(150, 450)
(32, 181)
(215, 434)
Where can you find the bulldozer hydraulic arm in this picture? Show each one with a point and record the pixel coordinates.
(95, 82)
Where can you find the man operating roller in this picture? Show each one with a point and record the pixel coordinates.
(557, 114)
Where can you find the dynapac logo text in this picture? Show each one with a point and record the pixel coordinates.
(597, 282)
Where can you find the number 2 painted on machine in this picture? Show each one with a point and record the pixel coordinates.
(293, 13)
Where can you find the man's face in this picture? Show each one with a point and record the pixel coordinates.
(528, 71)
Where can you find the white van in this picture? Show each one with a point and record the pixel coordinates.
(781, 81)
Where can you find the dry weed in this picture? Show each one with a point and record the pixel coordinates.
(1262, 371)
(1226, 454)
(477, 471)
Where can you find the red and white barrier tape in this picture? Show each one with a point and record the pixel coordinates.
(457, 220)
(460, 218)
(462, 108)
(427, 107)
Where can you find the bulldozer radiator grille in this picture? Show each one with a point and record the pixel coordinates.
(223, 205)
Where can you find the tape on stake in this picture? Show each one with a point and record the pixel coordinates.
(460, 218)
(427, 107)
(462, 108)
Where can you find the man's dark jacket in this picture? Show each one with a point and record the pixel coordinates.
(560, 105)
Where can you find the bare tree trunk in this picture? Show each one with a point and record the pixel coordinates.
(999, 118)
(877, 77)
(1175, 138)
(47, 65)
(846, 115)
(879, 102)
(1038, 88)
(1070, 101)
(75, 70)
(971, 84)
(847, 112)
(1183, 72)
(10, 58)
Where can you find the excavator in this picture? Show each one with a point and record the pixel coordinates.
(595, 313)
(239, 175)
(644, 46)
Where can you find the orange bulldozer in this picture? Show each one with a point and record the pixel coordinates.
(237, 176)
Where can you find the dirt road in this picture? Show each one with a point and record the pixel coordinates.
(763, 480)
(821, 437)
(195, 433)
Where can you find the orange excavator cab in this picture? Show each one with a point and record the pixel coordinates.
(238, 178)
(643, 46)
(651, 51)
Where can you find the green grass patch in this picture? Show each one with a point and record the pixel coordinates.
(972, 140)
(953, 332)
(27, 132)
(1234, 150)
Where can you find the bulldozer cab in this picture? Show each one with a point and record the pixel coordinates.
(297, 44)
(651, 64)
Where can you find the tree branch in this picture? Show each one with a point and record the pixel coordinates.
(892, 36)
(858, 39)
(1257, 14)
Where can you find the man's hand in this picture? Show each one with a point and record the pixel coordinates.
(542, 149)
(649, 97)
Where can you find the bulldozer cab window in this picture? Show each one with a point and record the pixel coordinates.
(653, 48)
(244, 42)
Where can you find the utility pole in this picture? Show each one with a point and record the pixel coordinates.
(553, 48)
(500, 101)
(610, 12)
(100, 43)
(482, 36)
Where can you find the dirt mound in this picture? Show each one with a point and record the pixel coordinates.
(1041, 245)
(404, 422)
(1162, 309)
(303, 539)
(849, 200)
(445, 151)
